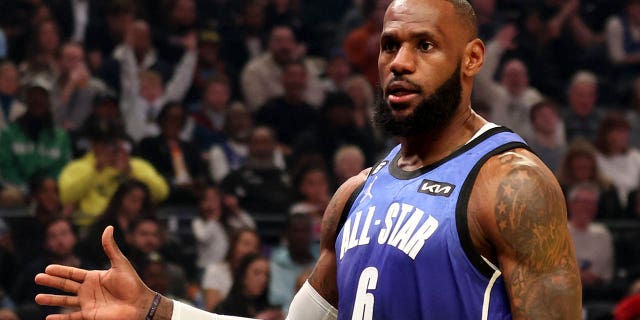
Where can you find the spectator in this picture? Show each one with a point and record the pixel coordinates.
(178, 161)
(616, 158)
(578, 166)
(218, 277)
(60, 241)
(130, 201)
(512, 97)
(582, 116)
(8, 314)
(348, 161)
(73, 90)
(138, 52)
(105, 112)
(211, 65)
(212, 113)
(289, 115)
(628, 309)
(313, 191)
(363, 44)
(261, 187)
(336, 128)
(259, 77)
(10, 107)
(89, 182)
(623, 39)
(288, 260)
(338, 71)
(244, 37)
(362, 95)
(145, 241)
(217, 219)
(42, 55)
(249, 292)
(28, 232)
(102, 37)
(489, 20)
(144, 94)
(592, 240)
(232, 154)
(33, 145)
(180, 23)
(547, 127)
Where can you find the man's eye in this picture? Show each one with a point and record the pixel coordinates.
(389, 46)
(425, 46)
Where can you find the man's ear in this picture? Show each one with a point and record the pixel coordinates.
(473, 58)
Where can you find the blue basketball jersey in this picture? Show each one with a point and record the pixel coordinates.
(404, 251)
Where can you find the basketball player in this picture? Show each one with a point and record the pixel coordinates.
(460, 221)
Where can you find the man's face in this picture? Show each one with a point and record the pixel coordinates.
(583, 97)
(38, 103)
(60, 240)
(419, 66)
(217, 96)
(47, 197)
(146, 237)
(282, 44)
(546, 120)
(294, 81)
(515, 77)
(72, 57)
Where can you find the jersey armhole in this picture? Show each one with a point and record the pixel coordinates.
(462, 226)
(347, 206)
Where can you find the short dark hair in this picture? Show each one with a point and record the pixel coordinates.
(467, 14)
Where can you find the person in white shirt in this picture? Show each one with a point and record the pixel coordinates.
(143, 92)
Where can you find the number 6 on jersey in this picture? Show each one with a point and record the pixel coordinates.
(363, 306)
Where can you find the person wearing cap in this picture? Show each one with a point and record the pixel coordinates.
(33, 144)
(90, 181)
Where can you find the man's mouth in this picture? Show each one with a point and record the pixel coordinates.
(401, 92)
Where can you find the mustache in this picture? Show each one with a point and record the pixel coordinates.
(402, 79)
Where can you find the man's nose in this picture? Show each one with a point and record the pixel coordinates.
(404, 61)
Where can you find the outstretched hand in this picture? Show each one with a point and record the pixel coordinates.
(117, 293)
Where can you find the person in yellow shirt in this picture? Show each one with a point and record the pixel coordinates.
(90, 181)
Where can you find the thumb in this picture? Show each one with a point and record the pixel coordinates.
(111, 248)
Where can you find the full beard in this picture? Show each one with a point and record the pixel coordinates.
(431, 114)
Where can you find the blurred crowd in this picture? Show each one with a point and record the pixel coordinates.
(212, 133)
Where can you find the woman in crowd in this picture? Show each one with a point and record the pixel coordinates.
(248, 294)
(578, 166)
(132, 199)
(218, 277)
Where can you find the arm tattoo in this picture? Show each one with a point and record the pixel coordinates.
(544, 283)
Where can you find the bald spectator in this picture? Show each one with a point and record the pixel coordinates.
(363, 44)
(260, 76)
(347, 162)
(511, 97)
(582, 117)
(10, 107)
(144, 92)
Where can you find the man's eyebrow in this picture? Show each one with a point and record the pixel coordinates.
(419, 34)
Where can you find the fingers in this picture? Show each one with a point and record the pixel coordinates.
(71, 273)
(59, 283)
(57, 300)
(111, 248)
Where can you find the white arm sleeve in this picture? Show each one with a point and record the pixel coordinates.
(308, 304)
(182, 311)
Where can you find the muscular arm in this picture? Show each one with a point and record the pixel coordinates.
(525, 223)
(324, 275)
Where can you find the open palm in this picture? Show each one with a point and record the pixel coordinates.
(117, 293)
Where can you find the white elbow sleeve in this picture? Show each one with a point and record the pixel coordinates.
(308, 304)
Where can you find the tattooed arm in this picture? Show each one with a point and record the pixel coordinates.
(519, 219)
(324, 275)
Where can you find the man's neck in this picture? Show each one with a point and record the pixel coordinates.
(429, 147)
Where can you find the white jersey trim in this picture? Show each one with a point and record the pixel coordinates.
(487, 292)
